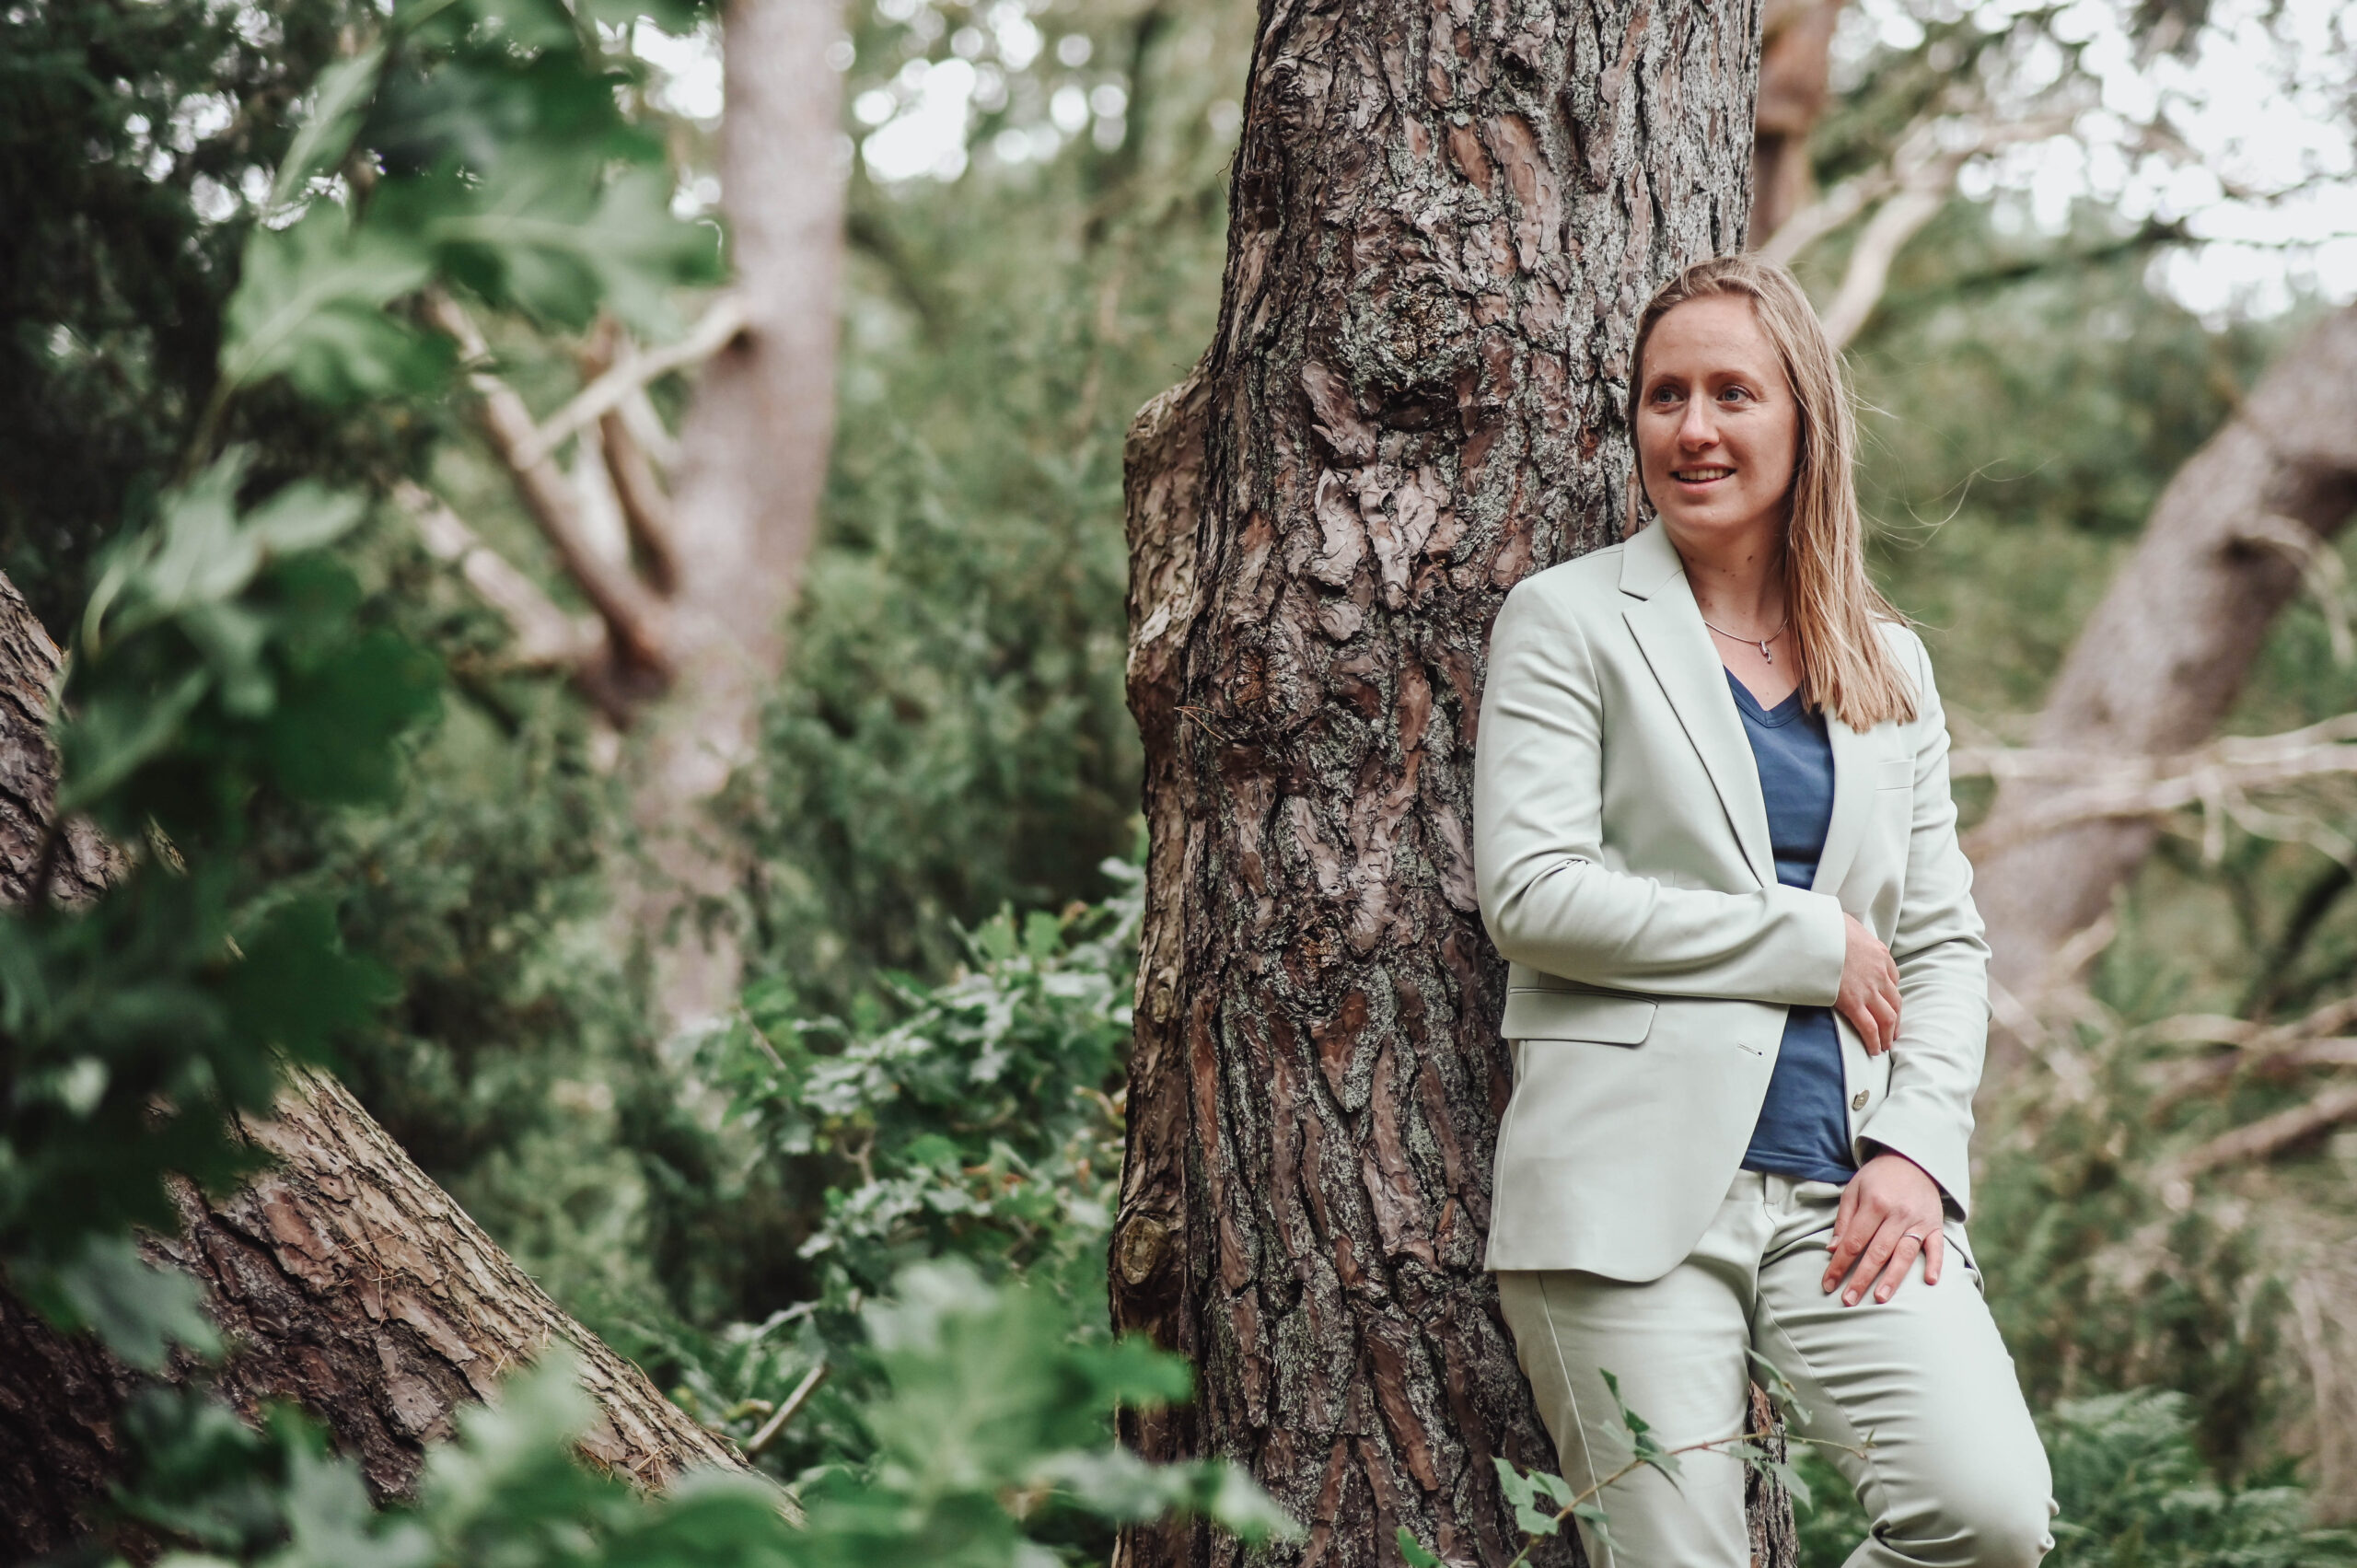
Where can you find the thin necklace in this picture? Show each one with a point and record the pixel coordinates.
(1759, 643)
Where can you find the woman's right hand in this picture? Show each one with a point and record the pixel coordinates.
(1869, 997)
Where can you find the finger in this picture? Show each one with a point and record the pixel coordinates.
(1894, 1274)
(1854, 1233)
(1885, 1019)
(1935, 1256)
(1836, 1261)
(1878, 1253)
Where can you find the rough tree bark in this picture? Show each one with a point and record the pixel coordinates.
(2168, 649)
(1444, 221)
(343, 1278)
(755, 450)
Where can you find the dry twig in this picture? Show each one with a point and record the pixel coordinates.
(1911, 188)
(646, 506)
(787, 1412)
(2217, 778)
(2265, 1138)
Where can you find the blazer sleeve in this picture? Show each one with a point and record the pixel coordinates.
(1942, 975)
(1549, 897)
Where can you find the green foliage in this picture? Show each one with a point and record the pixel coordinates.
(951, 734)
(2133, 1488)
(224, 678)
(989, 1442)
(1544, 1502)
(229, 695)
(2098, 1286)
(137, 137)
(979, 1125)
(215, 661)
(308, 159)
(2132, 1491)
(311, 307)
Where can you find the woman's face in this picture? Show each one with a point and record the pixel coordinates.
(1718, 429)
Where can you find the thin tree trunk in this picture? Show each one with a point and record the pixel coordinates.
(2167, 651)
(1444, 221)
(343, 1278)
(755, 451)
(1796, 66)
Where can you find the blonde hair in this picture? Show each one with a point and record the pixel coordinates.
(1846, 667)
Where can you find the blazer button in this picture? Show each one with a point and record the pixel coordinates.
(1858, 1100)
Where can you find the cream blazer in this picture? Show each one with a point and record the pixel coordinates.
(1621, 846)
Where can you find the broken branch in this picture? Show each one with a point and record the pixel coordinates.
(646, 506)
(545, 636)
(2268, 1136)
(2217, 778)
(718, 327)
(633, 618)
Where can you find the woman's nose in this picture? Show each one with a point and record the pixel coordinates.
(1697, 430)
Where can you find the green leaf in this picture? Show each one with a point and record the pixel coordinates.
(1789, 1475)
(296, 987)
(1646, 1448)
(1536, 1521)
(332, 737)
(543, 239)
(1519, 1489)
(1240, 1507)
(1598, 1524)
(115, 734)
(1778, 1388)
(1412, 1553)
(138, 1310)
(326, 133)
(334, 1525)
(311, 304)
(1557, 1489)
(1043, 937)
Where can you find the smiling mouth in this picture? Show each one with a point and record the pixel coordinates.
(1701, 476)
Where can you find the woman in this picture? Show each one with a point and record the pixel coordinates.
(1748, 997)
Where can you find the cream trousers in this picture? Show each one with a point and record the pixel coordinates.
(1952, 1472)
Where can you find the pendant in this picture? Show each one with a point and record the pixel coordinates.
(1766, 654)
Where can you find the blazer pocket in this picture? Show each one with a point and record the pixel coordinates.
(1533, 1014)
(1895, 772)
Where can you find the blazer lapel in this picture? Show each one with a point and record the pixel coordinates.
(1854, 798)
(1668, 628)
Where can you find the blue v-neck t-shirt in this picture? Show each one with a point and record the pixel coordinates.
(1803, 1127)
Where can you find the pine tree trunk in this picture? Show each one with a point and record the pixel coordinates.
(343, 1278)
(1444, 221)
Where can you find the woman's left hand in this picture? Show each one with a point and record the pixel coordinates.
(1890, 1210)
